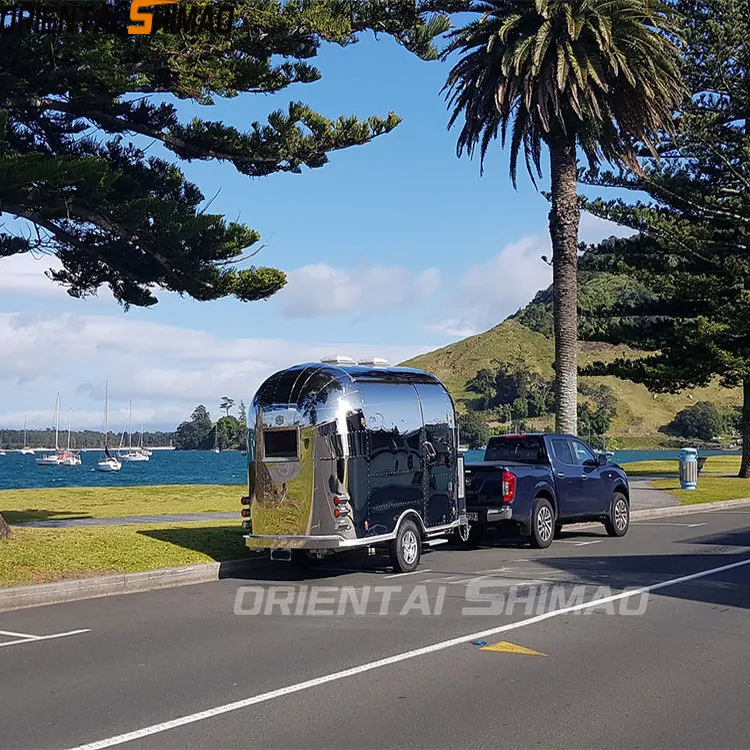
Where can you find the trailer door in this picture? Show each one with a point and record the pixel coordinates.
(440, 454)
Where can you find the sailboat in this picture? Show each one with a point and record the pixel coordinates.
(216, 449)
(26, 450)
(53, 459)
(137, 453)
(68, 457)
(2, 452)
(110, 463)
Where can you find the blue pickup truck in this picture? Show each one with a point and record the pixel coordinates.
(541, 482)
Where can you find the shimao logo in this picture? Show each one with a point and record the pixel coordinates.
(117, 16)
(143, 20)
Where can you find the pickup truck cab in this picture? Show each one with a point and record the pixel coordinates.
(540, 482)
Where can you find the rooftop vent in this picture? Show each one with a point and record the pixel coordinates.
(338, 359)
(374, 362)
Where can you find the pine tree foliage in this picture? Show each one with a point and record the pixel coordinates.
(692, 241)
(79, 110)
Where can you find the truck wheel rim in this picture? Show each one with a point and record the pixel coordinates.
(544, 523)
(621, 514)
(409, 547)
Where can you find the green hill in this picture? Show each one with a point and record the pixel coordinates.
(639, 412)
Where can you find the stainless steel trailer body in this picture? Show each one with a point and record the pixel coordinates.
(347, 455)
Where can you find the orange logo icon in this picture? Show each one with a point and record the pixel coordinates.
(143, 20)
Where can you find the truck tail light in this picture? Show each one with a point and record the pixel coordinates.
(509, 487)
(245, 512)
(245, 500)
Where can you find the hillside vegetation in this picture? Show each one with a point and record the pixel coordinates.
(526, 338)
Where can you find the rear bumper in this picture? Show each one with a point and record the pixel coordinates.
(262, 541)
(491, 514)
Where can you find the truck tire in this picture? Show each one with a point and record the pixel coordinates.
(542, 524)
(618, 521)
(406, 548)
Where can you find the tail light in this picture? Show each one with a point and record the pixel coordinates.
(509, 487)
(245, 512)
(245, 500)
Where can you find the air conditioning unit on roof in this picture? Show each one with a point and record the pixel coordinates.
(374, 362)
(338, 359)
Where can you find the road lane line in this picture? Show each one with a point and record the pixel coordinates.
(254, 700)
(412, 573)
(593, 541)
(36, 638)
(16, 635)
(657, 523)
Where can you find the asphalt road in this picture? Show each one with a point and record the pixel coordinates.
(664, 667)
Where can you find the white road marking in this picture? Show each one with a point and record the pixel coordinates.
(254, 700)
(16, 635)
(657, 523)
(578, 544)
(413, 573)
(495, 570)
(35, 638)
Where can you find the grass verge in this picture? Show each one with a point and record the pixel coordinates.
(710, 489)
(46, 555)
(713, 465)
(106, 502)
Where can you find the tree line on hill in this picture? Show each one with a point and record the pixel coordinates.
(201, 433)
(80, 439)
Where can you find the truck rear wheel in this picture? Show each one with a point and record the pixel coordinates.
(406, 548)
(542, 524)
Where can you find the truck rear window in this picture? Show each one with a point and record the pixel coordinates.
(524, 449)
(280, 444)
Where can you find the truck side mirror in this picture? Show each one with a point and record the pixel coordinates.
(603, 459)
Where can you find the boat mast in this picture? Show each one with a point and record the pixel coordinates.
(130, 426)
(24, 431)
(70, 422)
(106, 423)
(57, 423)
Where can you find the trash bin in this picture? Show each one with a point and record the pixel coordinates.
(688, 468)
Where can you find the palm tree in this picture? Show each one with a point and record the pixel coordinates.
(602, 75)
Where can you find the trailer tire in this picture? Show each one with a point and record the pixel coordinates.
(406, 548)
(542, 524)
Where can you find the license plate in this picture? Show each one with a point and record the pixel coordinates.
(472, 516)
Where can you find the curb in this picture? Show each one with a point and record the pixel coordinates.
(39, 595)
(42, 594)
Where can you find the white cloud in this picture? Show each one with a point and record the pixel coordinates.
(165, 370)
(320, 289)
(593, 229)
(25, 274)
(490, 291)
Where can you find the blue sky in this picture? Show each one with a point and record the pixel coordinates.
(393, 248)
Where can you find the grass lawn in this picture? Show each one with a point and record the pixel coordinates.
(714, 465)
(104, 502)
(710, 489)
(45, 555)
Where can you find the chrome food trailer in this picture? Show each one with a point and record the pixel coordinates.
(345, 454)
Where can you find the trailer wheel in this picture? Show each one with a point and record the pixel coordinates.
(406, 548)
(542, 524)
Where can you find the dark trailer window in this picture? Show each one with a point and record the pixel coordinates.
(524, 449)
(280, 444)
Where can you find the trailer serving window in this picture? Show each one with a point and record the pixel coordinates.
(281, 445)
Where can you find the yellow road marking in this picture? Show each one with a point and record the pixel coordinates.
(512, 648)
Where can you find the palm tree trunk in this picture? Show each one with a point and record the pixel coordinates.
(4, 529)
(745, 465)
(563, 228)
